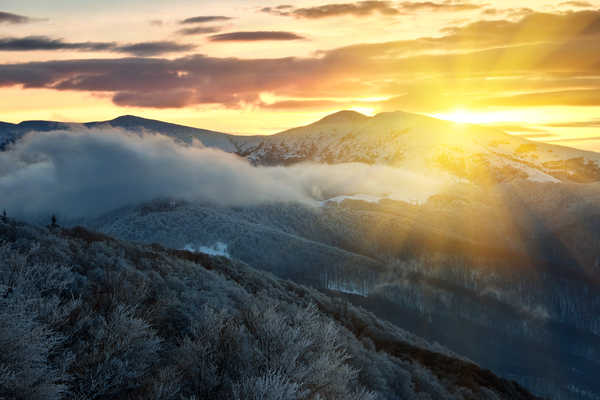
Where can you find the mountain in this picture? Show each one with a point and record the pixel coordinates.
(96, 317)
(12, 132)
(505, 277)
(415, 142)
(499, 264)
(180, 133)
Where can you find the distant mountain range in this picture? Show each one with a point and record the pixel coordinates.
(476, 153)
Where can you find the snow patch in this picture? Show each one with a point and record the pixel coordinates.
(217, 249)
(362, 197)
(349, 288)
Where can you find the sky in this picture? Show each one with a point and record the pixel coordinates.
(259, 67)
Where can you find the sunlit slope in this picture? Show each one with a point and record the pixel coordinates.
(477, 153)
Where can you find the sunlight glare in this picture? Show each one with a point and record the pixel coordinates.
(464, 116)
(369, 111)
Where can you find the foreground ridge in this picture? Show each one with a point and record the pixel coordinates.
(88, 315)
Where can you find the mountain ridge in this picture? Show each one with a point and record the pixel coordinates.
(413, 141)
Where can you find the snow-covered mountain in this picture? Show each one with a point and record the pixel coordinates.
(412, 141)
(418, 142)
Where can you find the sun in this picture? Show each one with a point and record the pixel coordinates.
(464, 116)
(370, 111)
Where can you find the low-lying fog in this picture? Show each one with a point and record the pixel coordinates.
(91, 171)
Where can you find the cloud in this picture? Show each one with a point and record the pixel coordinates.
(516, 128)
(30, 43)
(167, 99)
(198, 30)
(576, 139)
(9, 18)
(251, 36)
(534, 135)
(447, 6)
(189, 80)
(204, 19)
(509, 12)
(302, 104)
(361, 8)
(590, 97)
(595, 123)
(154, 48)
(366, 8)
(34, 43)
(549, 59)
(579, 4)
(89, 172)
(200, 20)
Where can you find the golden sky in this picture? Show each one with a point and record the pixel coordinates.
(246, 66)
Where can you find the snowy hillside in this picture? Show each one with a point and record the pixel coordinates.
(421, 143)
(485, 273)
(83, 315)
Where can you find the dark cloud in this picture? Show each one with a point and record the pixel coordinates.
(251, 36)
(198, 30)
(32, 43)
(365, 8)
(154, 48)
(360, 8)
(205, 18)
(168, 99)
(45, 43)
(10, 18)
(165, 83)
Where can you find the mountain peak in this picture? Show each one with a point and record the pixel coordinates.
(129, 118)
(343, 116)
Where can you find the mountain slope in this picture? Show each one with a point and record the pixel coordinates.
(181, 133)
(133, 321)
(495, 275)
(421, 143)
(12, 132)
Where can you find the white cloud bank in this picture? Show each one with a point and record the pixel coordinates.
(89, 172)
